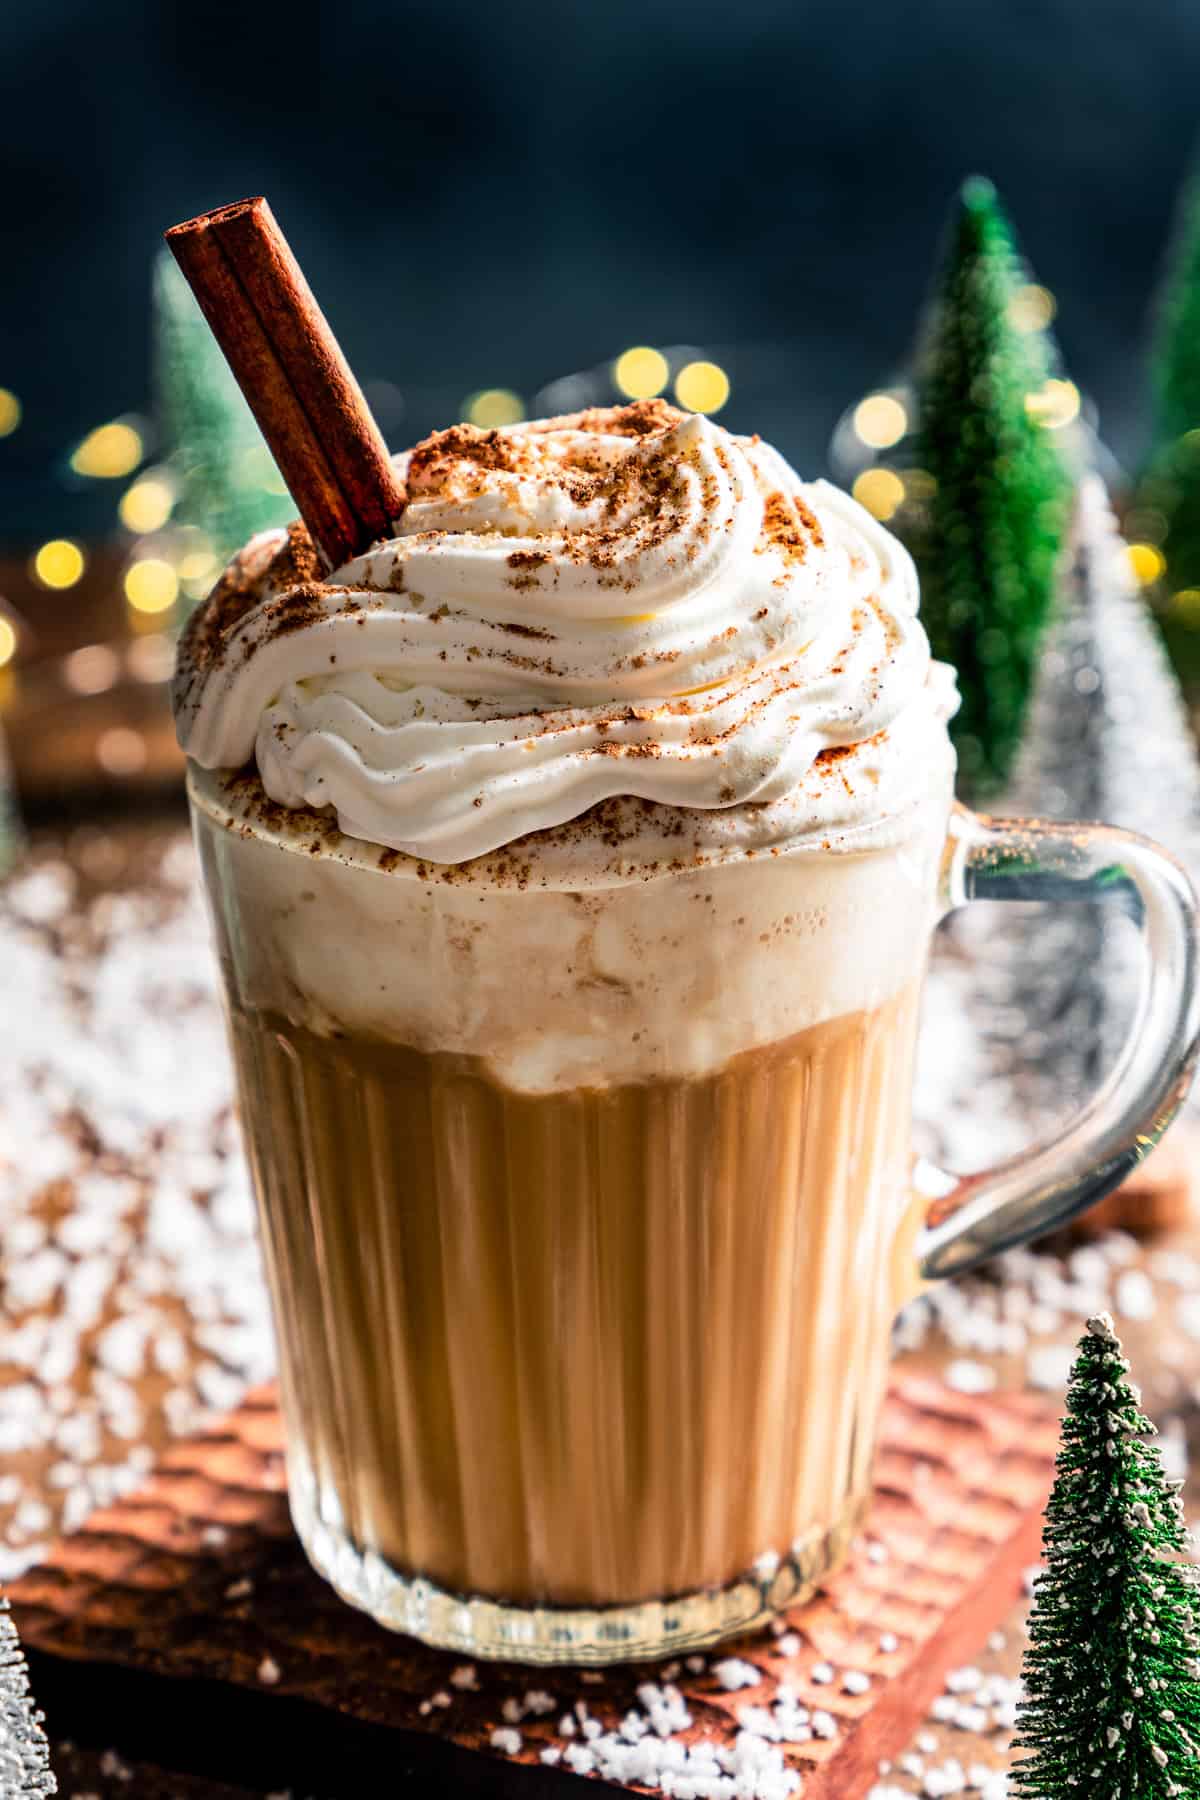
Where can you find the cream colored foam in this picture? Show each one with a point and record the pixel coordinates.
(558, 989)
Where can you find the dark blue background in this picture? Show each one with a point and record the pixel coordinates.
(494, 195)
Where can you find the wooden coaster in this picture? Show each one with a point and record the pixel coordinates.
(198, 1575)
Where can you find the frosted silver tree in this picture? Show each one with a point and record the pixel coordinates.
(1107, 739)
(24, 1753)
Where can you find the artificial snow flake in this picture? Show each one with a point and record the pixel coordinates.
(1107, 737)
(734, 1673)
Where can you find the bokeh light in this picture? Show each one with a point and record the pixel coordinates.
(151, 585)
(493, 407)
(8, 641)
(197, 565)
(91, 669)
(881, 491)
(151, 658)
(1145, 525)
(702, 387)
(1147, 562)
(1032, 308)
(109, 451)
(146, 506)
(10, 412)
(1055, 404)
(59, 563)
(641, 372)
(880, 421)
(1185, 605)
(121, 751)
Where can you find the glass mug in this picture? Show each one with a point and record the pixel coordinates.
(587, 1211)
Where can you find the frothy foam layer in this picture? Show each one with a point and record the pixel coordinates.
(556, 988)
(629, 602)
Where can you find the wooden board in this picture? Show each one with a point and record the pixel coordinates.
(198, 1575)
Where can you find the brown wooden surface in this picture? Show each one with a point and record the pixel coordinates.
(158, 1583)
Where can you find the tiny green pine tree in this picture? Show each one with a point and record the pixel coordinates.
(1112, 1680)
(228, 485)
(1166, 505)
(1175, 369)
(986, 543)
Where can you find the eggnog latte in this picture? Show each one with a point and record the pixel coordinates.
(573, 892)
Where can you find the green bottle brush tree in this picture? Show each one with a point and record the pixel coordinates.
(987, 540)
(1112, 1675)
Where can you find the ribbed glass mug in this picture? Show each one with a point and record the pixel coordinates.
(587, 1209)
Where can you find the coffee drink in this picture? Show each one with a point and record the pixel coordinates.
(573, 1323)
(574, 858)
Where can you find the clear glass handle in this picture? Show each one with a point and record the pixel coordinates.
(1022, 859)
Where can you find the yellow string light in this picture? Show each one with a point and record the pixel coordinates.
(702, 387)
(641, 372)
(1054, 405)
(8, 641)
(151, 585)
(59, 563)
(197, 571)
(1147, 562)
(880, 421)
(1032, 308)
(1186, 606)
(146, 506)
(881, 491)
(10, 412)
(109, 451)
(493, 407)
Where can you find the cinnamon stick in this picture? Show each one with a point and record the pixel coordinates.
(288, 364)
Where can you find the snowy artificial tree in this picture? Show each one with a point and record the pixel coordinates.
(24, 1753)
(1107, 739)
(1112, 1674)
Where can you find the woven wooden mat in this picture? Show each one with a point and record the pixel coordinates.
(197, 1575)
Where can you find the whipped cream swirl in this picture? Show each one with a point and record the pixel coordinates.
(629, 602)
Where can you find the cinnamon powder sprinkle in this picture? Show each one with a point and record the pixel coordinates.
(638, 502)
(789, 526)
